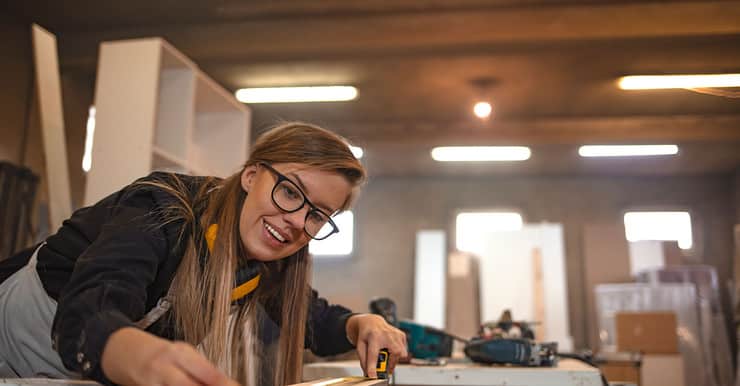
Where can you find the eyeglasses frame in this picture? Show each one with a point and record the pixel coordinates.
(280, 178)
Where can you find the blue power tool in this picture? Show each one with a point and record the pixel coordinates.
(424, 342)
(514, 351)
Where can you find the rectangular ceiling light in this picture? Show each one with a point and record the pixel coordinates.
(651, 82)
(481, 153)
(626, 150)
(296, 94)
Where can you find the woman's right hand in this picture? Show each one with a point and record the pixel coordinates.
(135, 357)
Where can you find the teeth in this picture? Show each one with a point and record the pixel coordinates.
(274, 233)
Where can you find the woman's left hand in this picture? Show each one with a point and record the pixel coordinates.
(370, 333)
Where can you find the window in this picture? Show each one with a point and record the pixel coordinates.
(663, 226)
(337, 244)
(472, 227)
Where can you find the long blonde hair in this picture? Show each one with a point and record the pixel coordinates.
(202, 303)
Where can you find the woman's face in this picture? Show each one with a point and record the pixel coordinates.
(269, 233)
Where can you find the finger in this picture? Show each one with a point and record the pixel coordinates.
(402, 346)
(373, 349)
(361, 352)
(403, 352)
(399, 352)
(174, 376)
(197, 366)
(392, 361)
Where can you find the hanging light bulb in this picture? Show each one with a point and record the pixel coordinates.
(482, 110)
(482, 87)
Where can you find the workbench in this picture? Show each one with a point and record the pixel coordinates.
(344, 381)
(569, 372)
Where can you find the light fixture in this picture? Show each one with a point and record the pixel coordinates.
(356, 151)
(650, 82)
(296, 94)
(626, 150)
(482, 110)
(90, 133)
(482, 87)
(480, 153)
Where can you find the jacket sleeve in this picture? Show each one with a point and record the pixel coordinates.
(108, 287)
(326, 332)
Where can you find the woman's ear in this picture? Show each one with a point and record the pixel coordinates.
(248, 176)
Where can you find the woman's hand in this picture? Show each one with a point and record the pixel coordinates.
(134, 357)
(370, 333)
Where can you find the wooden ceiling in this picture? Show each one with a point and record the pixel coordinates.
(417, 65)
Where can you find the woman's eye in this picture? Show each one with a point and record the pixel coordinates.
(316, 217)
(290, 192)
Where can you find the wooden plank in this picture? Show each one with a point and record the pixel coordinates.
(345, 381)
(44, 382)
(48, 89)
(605, 260)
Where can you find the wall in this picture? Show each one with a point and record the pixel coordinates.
(391, 210)
(19, 120)
(16, 71)
(737, 237)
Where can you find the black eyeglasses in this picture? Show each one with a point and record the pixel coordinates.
(288, 197)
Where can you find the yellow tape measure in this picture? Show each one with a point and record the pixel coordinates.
(382, 367)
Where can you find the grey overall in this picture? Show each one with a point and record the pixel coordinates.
(26, 315)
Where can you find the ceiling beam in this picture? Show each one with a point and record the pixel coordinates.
(609, 130)
(382, 33)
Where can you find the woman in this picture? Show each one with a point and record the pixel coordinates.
(179, 280)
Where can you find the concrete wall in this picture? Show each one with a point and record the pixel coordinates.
(391, 210)
(21, 140)
(737, 234)
(16, 72)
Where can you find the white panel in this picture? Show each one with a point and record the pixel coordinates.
(175, 113)
(646, 254)
(52, 125)
(430, 278)
(556, 291)
(213, 135)
(156, 110)
(507, 278)
(125, 103)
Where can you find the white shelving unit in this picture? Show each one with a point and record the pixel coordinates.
(156, 110)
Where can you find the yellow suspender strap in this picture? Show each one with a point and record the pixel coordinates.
(243, 289)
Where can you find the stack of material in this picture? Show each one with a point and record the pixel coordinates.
(681, 299)
(17, 194)
(715, 342)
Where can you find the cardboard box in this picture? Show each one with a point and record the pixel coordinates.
(621, 371)
(662, 370)
(646, 332)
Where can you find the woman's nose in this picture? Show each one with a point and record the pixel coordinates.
(297, 219)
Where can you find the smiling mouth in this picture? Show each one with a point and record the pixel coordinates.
(274, 233)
